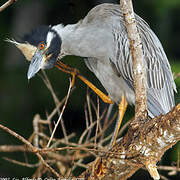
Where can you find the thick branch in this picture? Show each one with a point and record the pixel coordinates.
(147, 140)
(139, 147)
(138, 61)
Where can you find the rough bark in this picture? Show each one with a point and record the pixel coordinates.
(140, 147)
(138, 61)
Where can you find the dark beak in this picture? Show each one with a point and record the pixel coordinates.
(36, 64)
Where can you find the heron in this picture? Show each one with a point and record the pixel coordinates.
(101, 39)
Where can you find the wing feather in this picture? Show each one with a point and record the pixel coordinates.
(160, 83)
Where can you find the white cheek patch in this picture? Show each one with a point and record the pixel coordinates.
(49, 38)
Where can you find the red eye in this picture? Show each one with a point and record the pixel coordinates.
(41, 46)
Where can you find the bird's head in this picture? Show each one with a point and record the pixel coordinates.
(42, 47)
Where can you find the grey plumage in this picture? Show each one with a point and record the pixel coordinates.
(101, 38)
(160, 83)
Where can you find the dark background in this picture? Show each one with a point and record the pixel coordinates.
(20, 100)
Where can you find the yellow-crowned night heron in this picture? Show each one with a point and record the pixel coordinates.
(101, 39)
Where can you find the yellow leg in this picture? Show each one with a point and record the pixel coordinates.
(122, 109)
(63, 67)
(103, 96)
(75, 72)
(122, 106)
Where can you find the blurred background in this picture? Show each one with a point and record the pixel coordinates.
(20, 100)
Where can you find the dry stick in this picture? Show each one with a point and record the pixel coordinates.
(97, 125)
(177, 75)
(81, 165)
(68, 158)
(168, 168)
(101, 129)
(50, 116)
(110, 107)
(163, 177)
(49, 86)
(22, 163)
(124, 127)
(47, 165)
(86, 131)
(56, 125)
(109, 137)
(78, 163)
(74, 148)
(90, 112)
(87, 123)
(138, 62)
(39, 172)
(62, 141)
(31, 147)
(36, 130)
(120, 132)
(27, 164)
(105, 128)
(72, 144)
(100, 117)
(13, 148)
(89, 150)
(5, 5)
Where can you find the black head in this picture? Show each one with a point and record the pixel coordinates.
(48, 44)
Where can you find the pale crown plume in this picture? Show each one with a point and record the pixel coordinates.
(27, 49)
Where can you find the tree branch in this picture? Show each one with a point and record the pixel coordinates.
(31, 147)
(138, 61)
(147, 139)
(139, 147)
(8, 3)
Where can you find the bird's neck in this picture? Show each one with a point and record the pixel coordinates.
(84, 41)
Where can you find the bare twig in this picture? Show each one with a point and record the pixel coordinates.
(36, 130)
(56, 109)
(47, 166)
(107, 118)
(124, 127)
(177, 75)
(97, 124)
(31, 147)
(8, 3)
(163, 177)
(168, 168)
(90, 113)
(59, 119)
(63, 141)
(14, 148)
(49, 86)
(85, 132)
(26, 164)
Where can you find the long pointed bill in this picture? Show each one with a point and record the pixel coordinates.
(35, 65)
